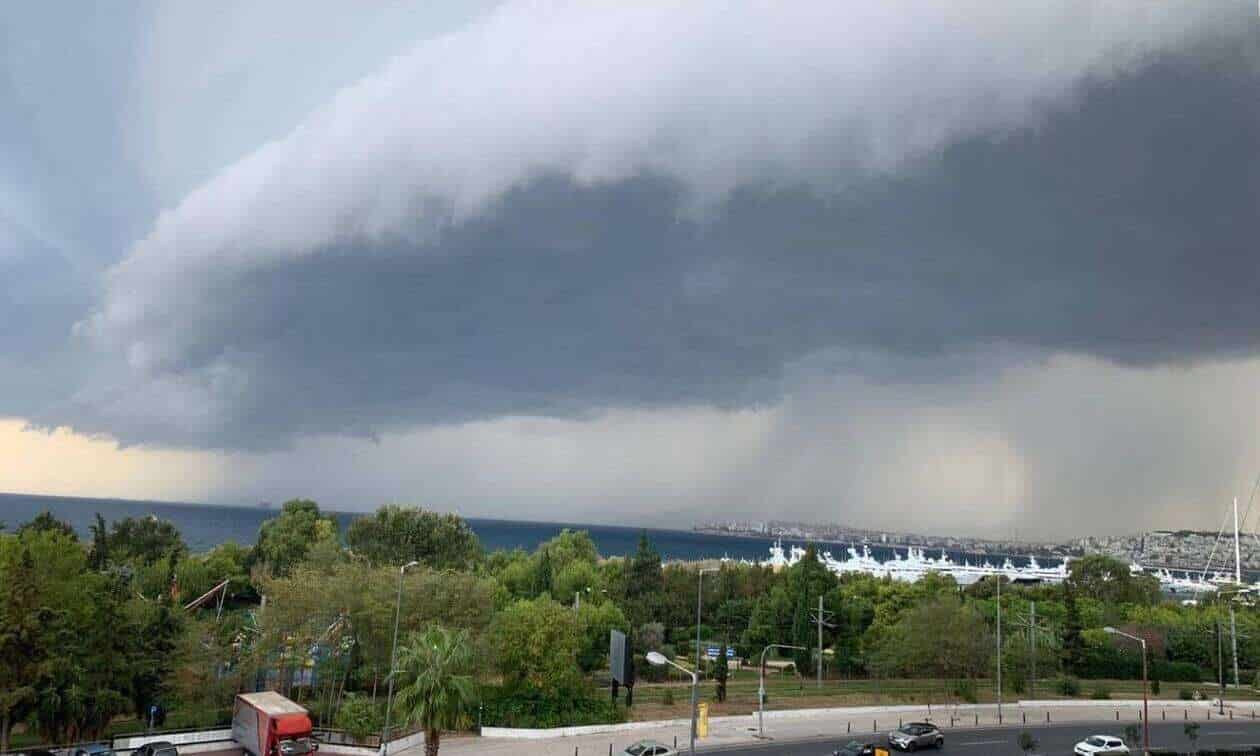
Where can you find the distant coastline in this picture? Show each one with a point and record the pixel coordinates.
(205, 526)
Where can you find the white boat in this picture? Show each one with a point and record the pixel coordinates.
(915, 564)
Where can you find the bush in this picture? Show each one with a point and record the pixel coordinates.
(1155, 687)
(522, 706)
(1176, 671)
(1100, 693)
(360, 717)
(667, 697)
(1185, 694)
(966, 690)
(1067, 686)
(1016, 682)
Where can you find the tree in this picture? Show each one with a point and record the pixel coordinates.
(283, 542)
(144, 540)
(543, 574)
(569, 547)
(98, 555)
(1027, 743)
(536, 645)
(197, 574)
(45, 521)
(643, 578)
(1073, 637)
(21, 647)
(1110, 581)
(598, 620)
(153, 658)
(944, 638)
(801, 637)
(396, 535)
(436, 690)
(721, 671)
(574, 578)
(770, 621)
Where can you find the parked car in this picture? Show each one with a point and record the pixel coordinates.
(650, 748)
(156, 748)
(93, 749)
(1100, 744)
(855, 748)
(916, 735)
(36, 752)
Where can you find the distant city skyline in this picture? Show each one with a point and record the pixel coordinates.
(960, 267)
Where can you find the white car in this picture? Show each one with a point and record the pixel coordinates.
(650, 748)
(1100, 744)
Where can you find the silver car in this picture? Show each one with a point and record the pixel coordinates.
(650, 748)
(916, 735)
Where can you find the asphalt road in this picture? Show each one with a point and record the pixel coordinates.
(1053, 740)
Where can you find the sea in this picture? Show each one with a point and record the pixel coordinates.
(205, 526)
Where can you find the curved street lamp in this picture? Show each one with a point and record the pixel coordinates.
(761, 687)
(657, 659)
(1146, 714)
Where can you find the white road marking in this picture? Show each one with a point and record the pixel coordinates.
(982, 742)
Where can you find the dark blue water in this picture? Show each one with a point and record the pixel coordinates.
(204, 527)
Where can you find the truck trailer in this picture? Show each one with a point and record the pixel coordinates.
(268, 724)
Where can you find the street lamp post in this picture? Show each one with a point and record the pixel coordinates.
(761, 686)
(658, 659)
(393, 656)
(699, 597)
(1146, 713)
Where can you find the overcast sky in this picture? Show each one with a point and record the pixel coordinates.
(960, 266)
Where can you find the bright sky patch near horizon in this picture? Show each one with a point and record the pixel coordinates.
(917, 265)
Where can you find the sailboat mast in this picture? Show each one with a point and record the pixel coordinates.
(1233, 626)
(1237, 550)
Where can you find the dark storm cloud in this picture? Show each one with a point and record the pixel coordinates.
(1121, 226)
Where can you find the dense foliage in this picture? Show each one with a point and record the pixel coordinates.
(97, 630)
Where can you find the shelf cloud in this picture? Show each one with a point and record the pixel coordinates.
(567, 207)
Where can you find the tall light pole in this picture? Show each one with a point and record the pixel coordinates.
(393, 656)
(656, 658)
(999, 646)
(761, 686)
(1146, 713)
(699, 597)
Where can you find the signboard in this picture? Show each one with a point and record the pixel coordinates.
(713, 651)
(620, 658)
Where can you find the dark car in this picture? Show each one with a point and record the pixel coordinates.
(36, 752)
(156, 748)
(916, 735)
(855, 748)
(93, 749)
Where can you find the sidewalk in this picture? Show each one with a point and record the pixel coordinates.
(835, 724)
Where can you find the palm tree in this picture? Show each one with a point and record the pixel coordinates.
(436, 690)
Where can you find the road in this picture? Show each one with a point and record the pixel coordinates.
(1053, 740)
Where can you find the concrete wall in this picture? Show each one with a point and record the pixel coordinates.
(199, 741)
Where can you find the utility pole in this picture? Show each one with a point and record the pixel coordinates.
(1220, 663)
(1029, 622)
(999, 646)
(1233, 640)
(1032, 647)
(821, 618)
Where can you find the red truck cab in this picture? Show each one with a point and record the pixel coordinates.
(268, 724)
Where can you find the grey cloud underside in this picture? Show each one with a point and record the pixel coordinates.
(1123, 227)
